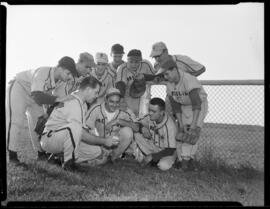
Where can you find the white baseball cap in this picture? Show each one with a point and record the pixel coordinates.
(102, 57)
(157, 49)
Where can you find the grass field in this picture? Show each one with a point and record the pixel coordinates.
(216, 180)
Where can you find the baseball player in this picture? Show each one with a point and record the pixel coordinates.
(190, 105)
(102, 74)
(84, 66)
(156, 136)
(117, 52)
(27, 93)
(126, 74)
(67, 132)
(109, 120)
(160, 54)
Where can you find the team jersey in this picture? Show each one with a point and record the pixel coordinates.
(180, 91)
(41, 79)
(112, 70)
(127, 76)
(96, 118)
(162, 134)
(184, 63)
(107, 82)
(70, 113)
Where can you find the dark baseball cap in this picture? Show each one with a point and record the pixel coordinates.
(69, 64)
(166, 65)
(117, 49)
(135, 54)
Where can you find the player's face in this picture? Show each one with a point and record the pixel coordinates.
(117, 58)
(84, 68)
(112, 103)
(133, 64)
(154, 112)
(92, 94)
(171, 75)
(65, 75)
(101, 67)
(160, 58)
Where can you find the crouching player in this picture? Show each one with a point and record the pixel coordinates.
(66, 132)
(109, 121)
(156, 136)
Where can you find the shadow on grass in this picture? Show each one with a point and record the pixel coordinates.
(217, 166)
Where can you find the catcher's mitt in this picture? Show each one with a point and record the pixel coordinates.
(191, 136)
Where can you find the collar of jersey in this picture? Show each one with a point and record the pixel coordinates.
(163, 122)
(103, 77)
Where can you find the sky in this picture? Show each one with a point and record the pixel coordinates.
(227, 39)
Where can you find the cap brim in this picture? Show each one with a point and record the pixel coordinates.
(161, 70)
(113, 93)
(155, 53)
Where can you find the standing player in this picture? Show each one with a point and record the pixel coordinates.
(160, 54)
(84, 66)
(190, 105)
(126, 74)
(117, 52)
(66, 131)
(27, 93)
(102, 74)
(156, 136)
(110, 121)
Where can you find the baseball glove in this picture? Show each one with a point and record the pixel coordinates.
(191, 136)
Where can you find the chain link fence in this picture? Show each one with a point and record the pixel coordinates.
(234, 127)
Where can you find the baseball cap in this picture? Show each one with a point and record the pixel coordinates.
(117, 49)
(101, 57)
(113, 91)
(135, 54)
(69, 64)
(158, 48)
(167, 64)
(87, 58)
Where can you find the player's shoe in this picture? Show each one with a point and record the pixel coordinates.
(69, 165)
(13, 157)
(146, 160)
(42, 156)
(192, 166)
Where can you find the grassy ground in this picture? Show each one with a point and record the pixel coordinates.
(216, 180)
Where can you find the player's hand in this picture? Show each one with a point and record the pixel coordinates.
(146, 133)
(139, 76)
(111, 141)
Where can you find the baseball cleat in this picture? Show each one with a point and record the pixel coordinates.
(146, 160)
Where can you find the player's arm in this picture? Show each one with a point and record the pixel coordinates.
(196, 106)
(92, 139)
(177, 110)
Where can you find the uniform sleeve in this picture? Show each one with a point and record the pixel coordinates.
(191, 66)
(171, 130)
(38, 80)
(91, 117)
(128, 115)
(191, 82)
(195, 99)
(149, 69)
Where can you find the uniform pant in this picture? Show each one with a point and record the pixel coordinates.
(185, 150)
(147, 147)
(19, 103)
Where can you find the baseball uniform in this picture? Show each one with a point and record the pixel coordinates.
(20, 101)
(127, 76)
(162, 136)
(113, 69)
(180, 93)
(98, 118)
(63, 132)
(107, 82)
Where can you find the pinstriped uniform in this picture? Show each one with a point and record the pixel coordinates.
(162, 136)
(127, 76)
(19, 102)
(107, 82)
